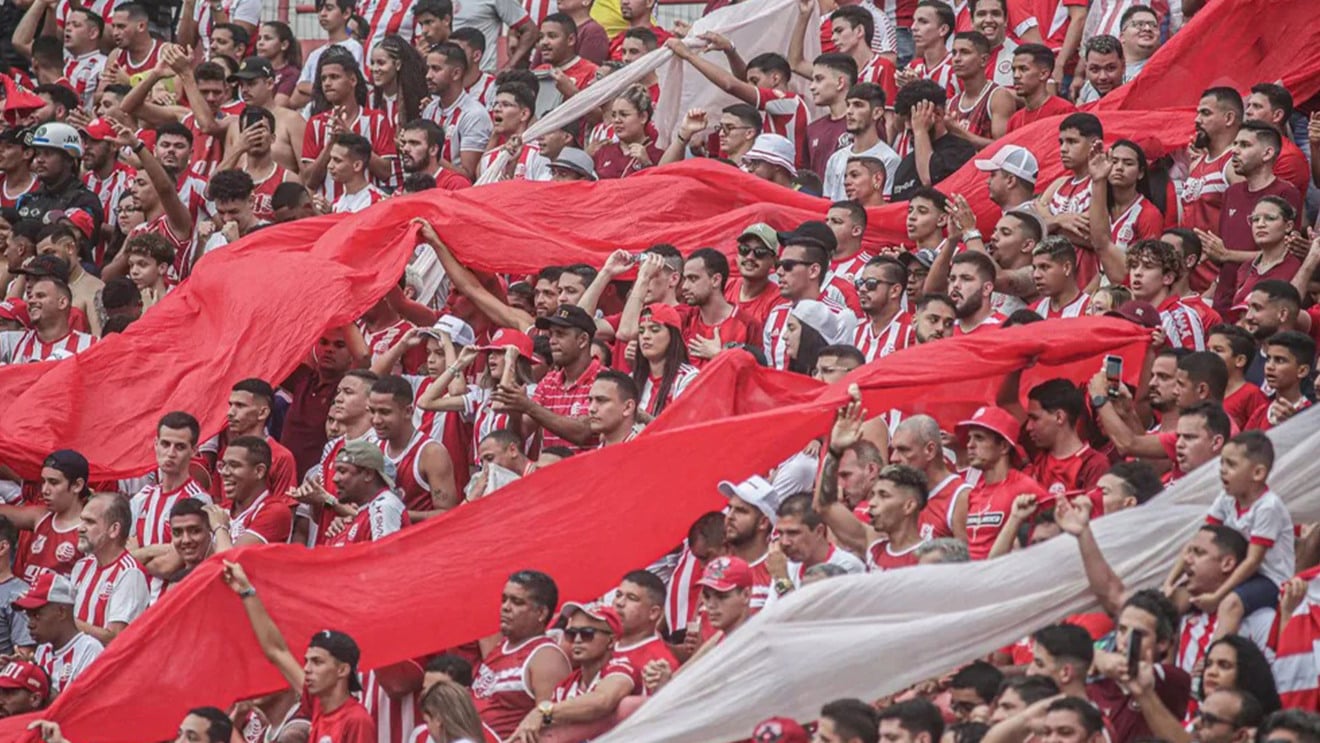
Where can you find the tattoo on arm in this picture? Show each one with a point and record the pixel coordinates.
(829, 480)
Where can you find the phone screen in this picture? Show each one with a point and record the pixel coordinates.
(1135, 641)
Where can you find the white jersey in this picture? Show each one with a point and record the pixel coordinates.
(351, 203)
(83, 72)
(686, 373)
(24, 347)
(1267, 523)
(308, 74)
(466, 123)
(67, 663)
(531, 165)
(836, 166)
(104, 594)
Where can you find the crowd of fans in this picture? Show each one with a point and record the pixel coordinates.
(131, 150)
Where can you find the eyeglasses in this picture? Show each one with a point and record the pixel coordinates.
(585, 634)
(759, 253)
(1143, 25)
(871, 285)
(1212, 719)
(788, 264)
(730, 128)
(1263, 218)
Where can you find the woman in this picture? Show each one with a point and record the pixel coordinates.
(1122, 211)
(450, 714)
(451, 393)
(1234, 662)
(663, 371)
(1107, 299)
(398, 80)
(810, 328)
(634, 150)
(1272, 221)
(277, 44)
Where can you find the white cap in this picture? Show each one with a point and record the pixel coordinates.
(56, 136)
(1014, 160)
(832, 325)
(775, 149)
(459, 332)
(756, 491)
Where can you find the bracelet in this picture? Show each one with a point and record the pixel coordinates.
(247, 593)
(972, 234)
(455, 369)
(136, 148)
(218, 528)
(684, 141)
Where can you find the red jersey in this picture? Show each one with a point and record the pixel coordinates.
(1181, 324)
(103, 594)
(637, 656)
(379, 342)
(1052, 16)
(51, 548)
(1075, 308)
(1209, 317)
(785, 113)
(370, 123)
(1244, 402)
(1078, 471)
(10, 193)
(500, 684)
(137, 69)
(988, 506)
(1261, 420)
(616, 43)
(684, 595)
(263, 192)
(993, 320)
(1073, 196)
(349, 723)
(881, 557)
(1140, 221)
(574, 685)
(941, 72)
(64, 664)
(268, 518)
(738, 327)
(937, 518)
(761, 583)
(895, 336)
(1053, 106)
(567, 399)
(1292, 166)
(25, 347)
(1202, 192)
(208, 149)
(412, 486)
(579, 70)
(880, 71)
(758, 308)
(282, 475)
(976, 117)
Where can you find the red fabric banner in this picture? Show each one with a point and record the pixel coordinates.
(397, 597)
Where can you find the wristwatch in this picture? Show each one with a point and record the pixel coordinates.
(547, 709)
(331, 501)
(783, 586)
(247, 593)
(1099, 401)
(972, 234)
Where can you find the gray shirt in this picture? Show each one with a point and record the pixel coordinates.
(489, 17)
(13, 622)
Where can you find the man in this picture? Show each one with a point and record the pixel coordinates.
(917, 443)
(109, 584)
(933, 22)
(1011, 245)
(803, 264)
(832, 76)
(479, 83)
(332, 16)
(206, 725)
(612, 412)
(1104, 65)
(1153, 269)
(558, 46)
(314, 388)
(24, 687)
(982, 110)
(846, 721)
(716, 321)
(1140, 36)
(971, 286)
(990, 17)
(251, 405)
(157, 191)
(328, 677)
(600, 679)
(847, 220)
(1054, 273)
(136, 50)
(912, 721)
(852, 30)
(82, 38)
(59, 247)
(640, 602)
(16, 176)
(512, 111)
(420, 144)
(1289, 359)
(57, 150)
(350, 156)
(257, 514)
(752, 291)
(64, 650)
(886, 328)
(342, 87)
(435, 19)
(103, 172)
(864, 111)
(864, 181)
(771, 158)
(560, 404)
(255, 79)
(1063, 653)
(936, 152)
(1012, 181)
(15, 639)
(363, 481)
(424, 469)
(973, 686)
(235, 215)
(1033, 65)
(1072, 719)
(748, 522)
(176, 442)
(53, 546)
(727, 585)
(466, 123)
(1065, 203)
(1065, 464)
(990, 437)
(934, 318)
(1218, 118)
(523, 669)
(191, 540)
(49, 302)
(1271, 103)
(803, 543)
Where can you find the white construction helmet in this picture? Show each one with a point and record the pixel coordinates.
(57, 136)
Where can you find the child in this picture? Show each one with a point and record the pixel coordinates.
(1248, 506)
(1237, 348)
(150, 256)
(1288, 360)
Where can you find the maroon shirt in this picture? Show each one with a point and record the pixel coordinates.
(1236, 230)
(593, 44)
(611, 162)
(1172, 685)
(824, 136)
(304, 424)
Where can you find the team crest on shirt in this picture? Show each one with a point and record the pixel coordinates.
(1125, 233)
(1191, 190)
(1057, 489)
(65, 552)
(106, 590)
(579, 409)
(38, 544)
(1004, 67)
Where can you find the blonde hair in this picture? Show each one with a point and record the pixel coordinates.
(640, 98)
(452, 705)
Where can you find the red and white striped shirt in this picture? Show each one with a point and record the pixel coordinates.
(1075, 308)
(83, 72)
(110, 188)
(24, 346)
(936, 520)
(103, 594)
(263, 192)
(67, 663)
(477, 410)
(370, 123)
(466, 122)
(247, 11)
(396, 717)
(484, 88)
(785, 113)
(882, 72)
(1181, 324)
(850, 268)
(1139, 221)
(941, 72)
(386, 17)
(1073, 196)
(208, 148)
(539, 9)
(151, 510)
(379, 342)
(103, 8)
(896, 336)
(351, 203)
(137, 69)
(1202, 191)
(682, 598)
(686, 373)
(182, 245)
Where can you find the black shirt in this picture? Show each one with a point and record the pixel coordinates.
(71, 194)
(948, 153)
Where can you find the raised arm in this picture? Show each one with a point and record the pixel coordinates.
(721, 78)
(466, 282)
(852, 534)
(176, 212)
(797, 40)
(268, 635)
(616, 265)
(1127, 441)
(1112, 260)
(630, 320)
(1074, 517)
(30, 25)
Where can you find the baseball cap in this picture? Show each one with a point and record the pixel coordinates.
(811, 232)
(756, 491)
(49, 588)
(568, 316)
(763, 232)
(77, 217)
(14, 309)
(458, 331)
(252, 69)
(21, 674)
(664, 314)
(510, 338)
(830, 324)
(69, 463)
(98, 130)
(1139, 312)
(340, 646)
(924, 257)
(1014, 160)
(368, 456)
(724, 574)
(780, 730)
(599, 612)
(577, 161)
(775, 149)
(46, 265)
(995, 420)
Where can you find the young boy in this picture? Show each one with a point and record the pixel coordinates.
(1237, 348)
(1289, 357)
(1153, 269)
(149, 256)
(1248, 506)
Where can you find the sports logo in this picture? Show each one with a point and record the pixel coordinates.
(38, 544)
(65, 552)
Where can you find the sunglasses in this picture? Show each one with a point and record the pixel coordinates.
(1210, 719)
(788, 264)
(585, 634)
(871, 285)
(760, 253)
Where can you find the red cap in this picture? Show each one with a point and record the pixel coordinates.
(14, 308)
(995, 420)
(82, 220)
(780, 730)
(664, 314)
(724, 574)
(599, 612)
(21, 674)
(1139, 312)
(49, 588)
(509, 338)
(99, 130)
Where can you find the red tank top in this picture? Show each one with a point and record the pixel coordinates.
(500, 687)
(49, 549)
(414, 491)
(977, 119)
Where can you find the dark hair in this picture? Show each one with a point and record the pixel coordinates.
(417, 182)
(93, 18)
(1087, 713)
(1135, 9)
(181, 421)
(1087, 125)
(60, 95)
(798, 505)
(1060, 394)
(1257, 446)
(412, 77)
(1227, 97)
(986, 270)
(221, 726)
(48, 51)
(770, 62)
(916, 716)
(439, 8)
(926, 299)
(254, 114)
(1305, 725)
(134, 10)
(709, 526)
(933, 195)
(1139, 479)
(118, 511)
(435, 134)
(1216, 420)
(258, 451)
(1031, 689)
(810, 344)
(853, 719)
(1068, 643)
(580, 270)
(524, 96)
(1299, 344)
(917, 91)
(475, 40)
(1206, 367)
(1267, 135)
(230, 185)
(258, 388)
(564, 20)
(358, 146)
(624, 385)
(241, 36)
(456, 667)
(1278, 96)
(1278, 289)
(855, 15)
(839, 62)
(189, 507)
(980, 677)
(968, 732)
(856, 212)
(645, 35)
(152, 245)
(338, 55)
(1253, 675)
(746, 114)
(288, 194)
(174, 129)
(1229, 540)
(977, 39)
(843, 351)
(8, 534)
(1041, 55)
(947, 18)
(1155, 603)
(540, 588)
(650, 583)
(396, 387)
(1191, 243)
(714, 262)
(293, 53)
(1103, 44)
(1240, 342)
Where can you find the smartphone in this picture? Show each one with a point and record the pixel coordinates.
(1114, 373)
(1135, 640)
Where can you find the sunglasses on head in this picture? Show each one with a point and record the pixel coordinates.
(585, 634)
(744, 251)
